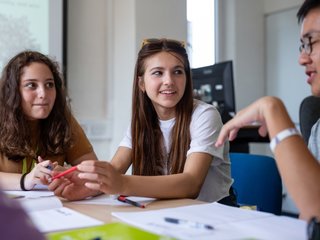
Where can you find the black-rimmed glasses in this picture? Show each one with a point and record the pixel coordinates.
(307, 45)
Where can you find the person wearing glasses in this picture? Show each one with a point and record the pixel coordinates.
(298, 168)
(36, 123)
(170, 142)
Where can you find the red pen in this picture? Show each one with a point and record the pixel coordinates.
(124, 199)
(65, 172)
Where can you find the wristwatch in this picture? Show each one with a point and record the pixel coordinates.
(313, 229)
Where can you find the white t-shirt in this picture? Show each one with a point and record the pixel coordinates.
(204, 129)
(314, 144)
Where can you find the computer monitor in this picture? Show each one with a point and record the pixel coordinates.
(214, 84)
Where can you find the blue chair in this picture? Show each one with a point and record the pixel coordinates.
(257, 181)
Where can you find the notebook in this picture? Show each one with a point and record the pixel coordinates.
(49, 215)
(116, 230)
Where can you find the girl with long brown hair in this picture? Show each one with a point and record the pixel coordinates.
(170, 143)
(36, 124)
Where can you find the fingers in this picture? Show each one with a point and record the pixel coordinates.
(97, 181)
(95, 171)
(44, 179)
(70, 190)
(58, 186)
(40, 159)
(99, 167)
(228, 132)
(94, 186)
(54, 165)
(100, 175)
(46, 163)
(221, 138)
(106, 187)
(244, 117)
(41, 173)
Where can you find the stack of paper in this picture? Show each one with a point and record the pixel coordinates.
(48, 213)
(227, 222)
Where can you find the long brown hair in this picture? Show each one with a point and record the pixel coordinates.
(147, 139)
(15, 134)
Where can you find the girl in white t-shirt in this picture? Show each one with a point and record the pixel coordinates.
(170, 142)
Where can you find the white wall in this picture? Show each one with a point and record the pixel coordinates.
(242, 40)
(87, 66)
(104, 37)
(271, 6)
(285, 78)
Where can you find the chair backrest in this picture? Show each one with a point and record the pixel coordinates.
(257, 181)
(309, 113)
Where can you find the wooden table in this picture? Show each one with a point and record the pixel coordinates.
(103, 212)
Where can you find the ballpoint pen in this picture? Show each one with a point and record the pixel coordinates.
(124, 199)
(40, 159)
(65, 172)
(49, 167)
(189, 223)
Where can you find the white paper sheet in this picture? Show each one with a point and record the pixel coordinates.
(30, 194)
(59, 219)
(48, 213)
(228, 223)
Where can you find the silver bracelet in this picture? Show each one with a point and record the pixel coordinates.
(281, 136)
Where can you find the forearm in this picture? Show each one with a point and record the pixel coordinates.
(88, 156)
(168, 186)
(301, 180)
(276, 116)
(10, 181)
(299, 170)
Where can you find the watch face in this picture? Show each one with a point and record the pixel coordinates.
(313, 229)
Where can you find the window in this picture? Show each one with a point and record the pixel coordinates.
(34, 25)
(201, 32)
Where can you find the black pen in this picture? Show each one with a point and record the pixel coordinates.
(124, 199)
(189, 223)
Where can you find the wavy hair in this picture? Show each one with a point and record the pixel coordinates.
(54, 133)
(147, 140)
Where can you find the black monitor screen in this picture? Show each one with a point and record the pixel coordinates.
(214, 84)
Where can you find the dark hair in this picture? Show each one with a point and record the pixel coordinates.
(147, 140)
(15, 134)
(306, 7)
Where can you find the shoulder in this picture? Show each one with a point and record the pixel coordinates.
(75, 125)
(316, 126)
(204, 110)
(315, 132)
(78, 134)
(205, 118)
